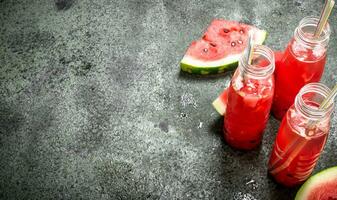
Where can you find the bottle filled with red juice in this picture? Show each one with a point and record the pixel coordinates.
(303, 62)
(250, 98)
(301, 136)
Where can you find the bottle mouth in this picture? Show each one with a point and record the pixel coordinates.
(309, 98)
(263, 62)
(306, 31)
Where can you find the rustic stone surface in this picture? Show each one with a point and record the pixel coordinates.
(94, 106)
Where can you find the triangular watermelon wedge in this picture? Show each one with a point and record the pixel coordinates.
(220, 47)
(220, 103)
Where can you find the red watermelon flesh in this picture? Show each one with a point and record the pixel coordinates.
(232, 34)
(326, 191)
(220, 47)
(228, 37)
(321, 186)
(206, 50)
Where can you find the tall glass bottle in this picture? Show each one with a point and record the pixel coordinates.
(303, 62)
(301, 136)
(250, 97)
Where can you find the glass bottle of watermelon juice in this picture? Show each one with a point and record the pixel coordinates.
(250, 98)
(301, 136)
(303, 62)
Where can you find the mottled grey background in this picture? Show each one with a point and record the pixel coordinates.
(94, 106)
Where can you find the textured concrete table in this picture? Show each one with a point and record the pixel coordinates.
(93, 104)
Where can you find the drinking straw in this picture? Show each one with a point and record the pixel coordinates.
(329, 99)
(250, 49)
(296, 146)
(324, 17)
(248, 52)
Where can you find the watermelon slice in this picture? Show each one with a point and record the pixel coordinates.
(220, 47)
(321, 186)
(220, 103)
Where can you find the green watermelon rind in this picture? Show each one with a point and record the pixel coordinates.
(227, 64)
(324, 176)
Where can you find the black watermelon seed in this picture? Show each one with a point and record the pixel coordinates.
(212, 44)
(233, 44)
(241, 31)
(205, 50)
(226, 30)
(240, 41)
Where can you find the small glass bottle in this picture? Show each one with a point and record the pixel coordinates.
(303, 62)
(301, 136)
(250, 97)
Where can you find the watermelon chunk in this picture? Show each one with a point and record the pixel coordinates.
(220, 47)
(322, 186)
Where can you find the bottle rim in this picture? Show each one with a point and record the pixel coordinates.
(253, 70)
(311, 112)
(302, 36)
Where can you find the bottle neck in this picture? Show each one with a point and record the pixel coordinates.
(308, 100)
(262, 64)
(304, 34)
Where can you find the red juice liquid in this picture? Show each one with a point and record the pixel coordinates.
(298, 67)
(247, 112)
(300, 164)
